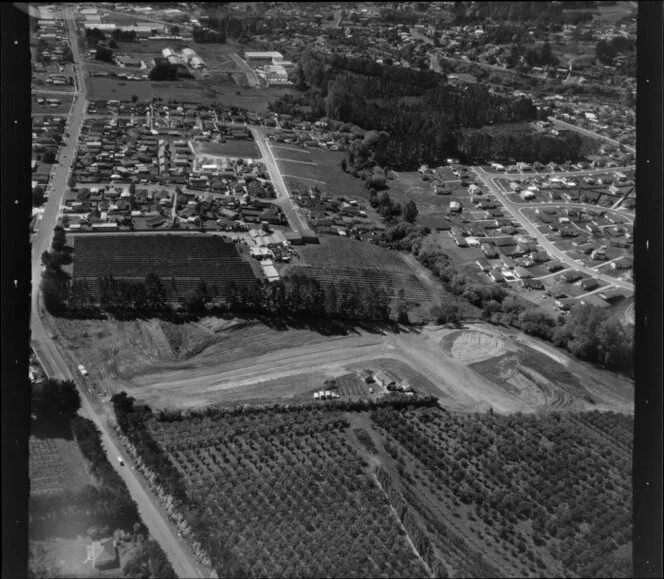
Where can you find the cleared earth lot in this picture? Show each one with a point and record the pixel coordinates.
(216, 361)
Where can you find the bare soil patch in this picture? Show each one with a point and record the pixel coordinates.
(230, 361)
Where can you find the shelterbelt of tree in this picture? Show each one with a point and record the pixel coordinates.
(419, 111)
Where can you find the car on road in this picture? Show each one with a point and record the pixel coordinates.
(82, 370)
(120, 461)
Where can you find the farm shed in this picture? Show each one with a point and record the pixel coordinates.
(384, 378)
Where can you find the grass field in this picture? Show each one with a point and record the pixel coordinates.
(611, 14)
(409, 186)
(231, 148)
(325, 170)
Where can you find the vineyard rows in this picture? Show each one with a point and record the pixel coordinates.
(288, 496)
(183, 258)
(353, 386)
(390, 281)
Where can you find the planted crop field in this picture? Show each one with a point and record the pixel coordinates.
(285, 495)
(180, 261)
(392, 282)
(336, 251)
(513, 496)
(402, 489)
(366, 264)
(352, 386)
(55, 465)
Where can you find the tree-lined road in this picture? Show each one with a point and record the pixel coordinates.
(57, 364)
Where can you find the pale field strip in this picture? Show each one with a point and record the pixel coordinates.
(291, 149)
(305, 179)
(294, 161)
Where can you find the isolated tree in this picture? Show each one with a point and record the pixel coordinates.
(55, 399)
(38, 196)
(410, 212)
(104, 54)
(134, 98)
(113, 44)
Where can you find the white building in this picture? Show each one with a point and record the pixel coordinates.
(263, 58)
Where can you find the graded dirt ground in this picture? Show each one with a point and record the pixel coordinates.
(224, 361)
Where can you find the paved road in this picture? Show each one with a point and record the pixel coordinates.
(57, 364)
(558, 204)
(589, 133)
(581, 173)
(548, 246)
(283, 195)
(252, 78)
(60, 92)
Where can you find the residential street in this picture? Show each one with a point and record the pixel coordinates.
(589, 133)
(532, 230)
(283, 196)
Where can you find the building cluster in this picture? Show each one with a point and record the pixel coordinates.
(270, 66)
(143, 30)
(185, 57)
(336, 215)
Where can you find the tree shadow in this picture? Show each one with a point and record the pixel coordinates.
(44, 428)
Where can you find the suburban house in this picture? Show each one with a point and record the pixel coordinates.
(588, 284)
(522, 272)
(622, 263)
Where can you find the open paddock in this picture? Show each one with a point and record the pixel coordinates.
(458, 254)
(205, 92)
(326, 170)
(231, 148)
